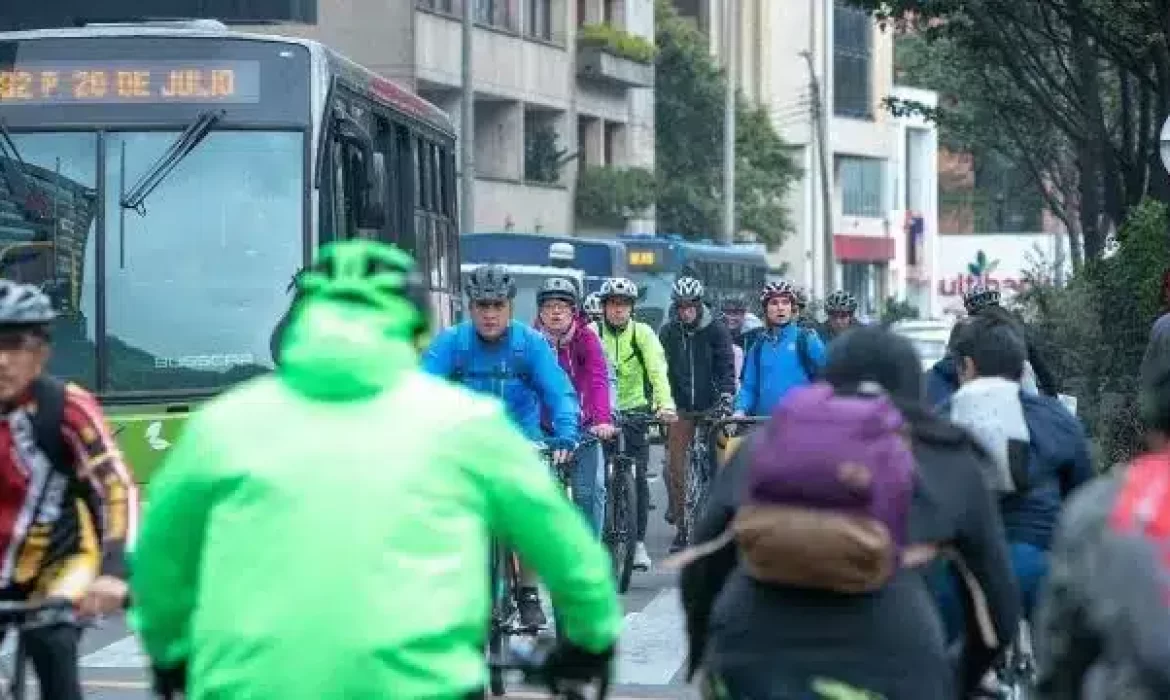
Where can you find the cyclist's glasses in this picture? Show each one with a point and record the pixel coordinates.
(19, 340)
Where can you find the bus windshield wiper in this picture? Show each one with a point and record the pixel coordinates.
(13, 165)
(187, 141)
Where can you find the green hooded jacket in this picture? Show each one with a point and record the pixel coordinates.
(323, 532)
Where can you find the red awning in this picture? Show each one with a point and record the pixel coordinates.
(849, 248)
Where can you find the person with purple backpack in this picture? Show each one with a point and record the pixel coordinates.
(807, 577)
(579, 353)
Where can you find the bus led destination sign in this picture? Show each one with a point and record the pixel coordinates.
(116, 82)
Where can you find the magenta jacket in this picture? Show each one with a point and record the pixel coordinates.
(580, 355)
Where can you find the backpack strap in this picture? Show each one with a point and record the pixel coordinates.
(803, 354)
(647, 385)
(521, 367)
(459, 358)
(49, 395)
(757, 350)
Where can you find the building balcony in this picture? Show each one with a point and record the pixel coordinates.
(596, 63)
(505, 64)
(611, 55)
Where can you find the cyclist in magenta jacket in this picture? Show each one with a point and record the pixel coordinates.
(579, 353)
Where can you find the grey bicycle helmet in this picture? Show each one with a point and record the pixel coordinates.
(841, 301)
(490, 283)
(687, 289)
(561, 288)
(619, 288)
(980, 297)
(24, 305)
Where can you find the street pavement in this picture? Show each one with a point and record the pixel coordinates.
(651, 654)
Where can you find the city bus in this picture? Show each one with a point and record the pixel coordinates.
(656, 261)
(164, 182)
(598, 259)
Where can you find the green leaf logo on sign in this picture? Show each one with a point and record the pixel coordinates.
(981, 267)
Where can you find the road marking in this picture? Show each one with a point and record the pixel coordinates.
(653, 643)
(124, 653)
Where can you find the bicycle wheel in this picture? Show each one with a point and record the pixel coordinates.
(501, 613)
(620, 535)
(696, 492)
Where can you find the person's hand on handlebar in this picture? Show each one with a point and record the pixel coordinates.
(105, 595)
(604, 431)
(569, 662)
(731, 429)
(562, 450)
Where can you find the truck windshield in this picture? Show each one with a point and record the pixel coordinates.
(194, 280)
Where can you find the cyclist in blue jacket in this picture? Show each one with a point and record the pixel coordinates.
(494, 354)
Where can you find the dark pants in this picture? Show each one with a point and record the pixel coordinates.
(638, 449)
(53, 653)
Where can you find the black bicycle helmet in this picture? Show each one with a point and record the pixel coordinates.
(490, 283)
(561, 288)
(735, 303)
(777, 289)
(841, 301)
(980, 297)
(24, 305)
(801, 299)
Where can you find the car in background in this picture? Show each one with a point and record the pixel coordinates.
(929, 338)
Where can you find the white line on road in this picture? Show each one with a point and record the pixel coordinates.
(653, 644)
(124, 653)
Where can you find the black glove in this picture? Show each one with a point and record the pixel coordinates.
(568, 662)
(170, 682)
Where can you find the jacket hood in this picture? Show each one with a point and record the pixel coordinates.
(338, 351)
(706, 316)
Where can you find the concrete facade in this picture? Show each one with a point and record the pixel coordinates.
(530, 78)
(853, 62)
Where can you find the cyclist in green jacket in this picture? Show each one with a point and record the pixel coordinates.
(323, 532)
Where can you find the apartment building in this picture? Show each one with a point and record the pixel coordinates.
(554, 89)
(779, 47)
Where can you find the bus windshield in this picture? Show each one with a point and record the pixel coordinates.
(193, 279)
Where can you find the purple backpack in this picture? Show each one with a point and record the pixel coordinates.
(845, 454)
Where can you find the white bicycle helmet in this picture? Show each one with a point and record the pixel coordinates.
(592, 305)
(777, 289)
(687, 289)
(618, 288)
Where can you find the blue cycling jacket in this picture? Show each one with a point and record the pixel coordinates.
(779, 368)
(520, 368)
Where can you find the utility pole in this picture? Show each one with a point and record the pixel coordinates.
(820, 133)
(467, 127)
(731, 57)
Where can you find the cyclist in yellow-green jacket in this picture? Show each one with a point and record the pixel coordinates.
(323, 531)
(642, 385)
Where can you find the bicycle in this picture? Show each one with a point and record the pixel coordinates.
(620, 531)
(699, 473)
(531, 662)
(504, 579)
(22, 616)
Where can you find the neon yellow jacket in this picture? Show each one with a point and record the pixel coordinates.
(324, 532)
(623, 352)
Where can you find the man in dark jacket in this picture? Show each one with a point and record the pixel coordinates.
(942, 380)
(701, 367)
(1056, 460)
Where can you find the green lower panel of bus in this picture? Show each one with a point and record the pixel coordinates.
(145, 433)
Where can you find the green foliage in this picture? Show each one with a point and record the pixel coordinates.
(543, 156)
(616, 41)
(894, 310)
(1093, 331)
(689, 89)
(609, 196)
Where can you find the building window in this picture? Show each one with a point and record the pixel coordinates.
(449, 7)
(540, 19)
(852, 77)
(615, 143)
(862, 186)
(497, 13)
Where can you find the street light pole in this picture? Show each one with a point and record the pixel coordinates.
(730, 52)
(467, 127)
